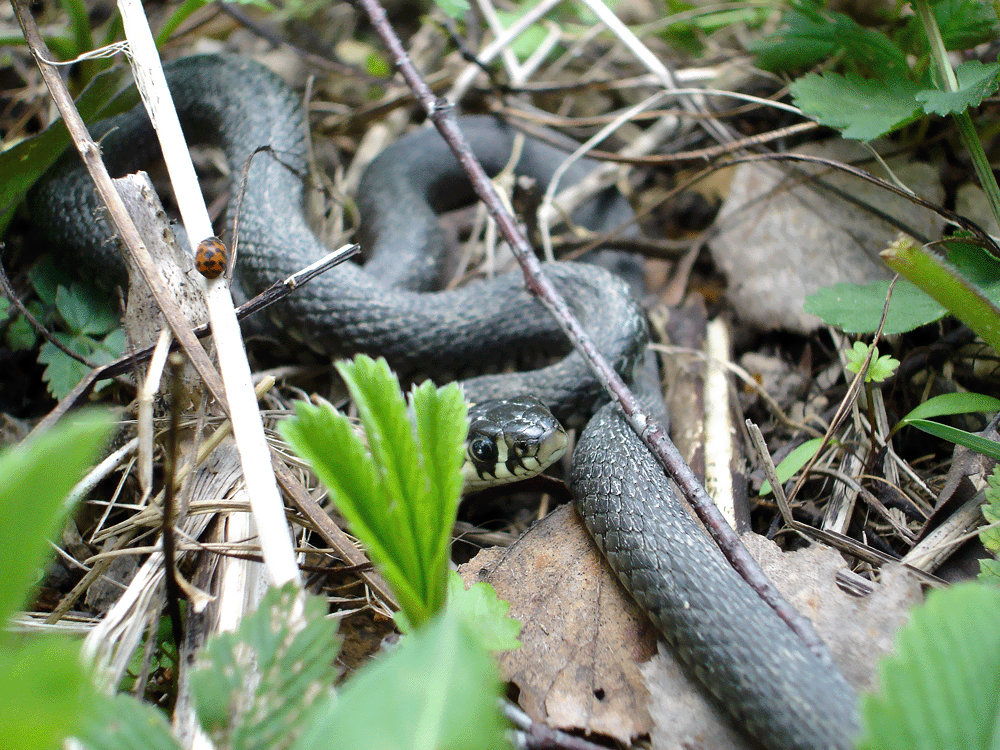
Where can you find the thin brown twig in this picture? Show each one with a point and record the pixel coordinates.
(648, 429)
(125, 227)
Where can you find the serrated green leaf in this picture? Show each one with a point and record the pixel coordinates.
(941, 686)
(382, 411)
(861, 108)
(400, 494)
(790, 464)
(253, 688)
(484, 612)
(35, 477)
(953, 403)
(44, 690)
(808, 36)
(326, 440)
(441, 685)
(123, 722)
(62, 372)
(989, 534)
(970, 440)
(976, 81)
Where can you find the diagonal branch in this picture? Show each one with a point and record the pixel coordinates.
(649, 430)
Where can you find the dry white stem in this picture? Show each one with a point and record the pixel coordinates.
(100, 472)
(144, 424)
(490, 51)
(720, 433)
(248, 428)
(514, 70)
(547, 213)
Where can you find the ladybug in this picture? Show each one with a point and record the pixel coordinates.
(211, 258)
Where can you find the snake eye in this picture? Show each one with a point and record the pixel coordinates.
(483, 450)
(521, 447)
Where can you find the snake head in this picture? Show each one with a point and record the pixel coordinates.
(510, 440)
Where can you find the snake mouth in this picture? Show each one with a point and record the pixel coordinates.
(510, 440)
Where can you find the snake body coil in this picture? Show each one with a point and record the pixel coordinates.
(759, 671)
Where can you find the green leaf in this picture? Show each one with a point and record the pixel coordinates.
(86, 310)
(970, 440)
(879, 368)
(861, 108)
(941, 686)
(62, 372)
(976, 80)
(438, 689)
(485, 613)
(963, 23)
(989, 571)
(400, 495)
(808, 36)
(35, 477)
(20, 336)
(453, 8)
(23, 164)
(857, 308)
(123, 722)
(953, 403)
(44, 688)
(294, 661)
(989, 534)
(944, 282)
(790, 464)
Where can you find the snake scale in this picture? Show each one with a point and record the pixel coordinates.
(759, 671)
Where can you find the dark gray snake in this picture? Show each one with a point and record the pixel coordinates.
(758, 670)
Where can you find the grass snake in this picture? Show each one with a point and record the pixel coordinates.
(759, 671)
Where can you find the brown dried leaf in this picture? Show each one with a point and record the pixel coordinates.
(583, 637)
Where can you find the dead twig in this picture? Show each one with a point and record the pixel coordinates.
(439, 111)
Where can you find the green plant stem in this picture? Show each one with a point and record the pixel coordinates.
(966, 130)
(947, 286)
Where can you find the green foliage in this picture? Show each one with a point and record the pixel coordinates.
(976, 81)
(860, 108)
(441, 690)
(880, 91)
(880, 369)
(24, 163)
(941, 687)
(989, 535)
(947, 404)
(294, 659)
(960, 437)
(453, 8)
(808, 35)
(950, 404)
(44, 690)
(92, 331)
(857, 308)
(123, 722)
(790, 464)
(437, 689)
(484, 613)
(400, 494)
(35, 477)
